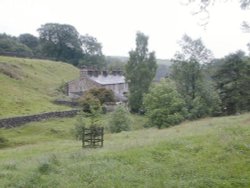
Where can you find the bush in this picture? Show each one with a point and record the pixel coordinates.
(79, 126)
(89, 103)
(3, 141)
(103, 94)
(119, 120)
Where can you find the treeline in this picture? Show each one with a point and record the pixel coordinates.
(60, 42)
(197, 85)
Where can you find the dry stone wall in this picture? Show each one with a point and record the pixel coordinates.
(18, 121)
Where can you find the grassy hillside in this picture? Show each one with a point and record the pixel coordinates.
(212, 152)
(28, 86)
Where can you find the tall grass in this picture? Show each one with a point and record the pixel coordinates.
(212, 152)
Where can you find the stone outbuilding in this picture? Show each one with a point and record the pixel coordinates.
(90, 78)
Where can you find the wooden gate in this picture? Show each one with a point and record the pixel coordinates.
(92, 137)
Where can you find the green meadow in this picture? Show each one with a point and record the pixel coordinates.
(29, 86)
(212, 152)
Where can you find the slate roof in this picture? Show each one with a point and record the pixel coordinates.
(108, 80)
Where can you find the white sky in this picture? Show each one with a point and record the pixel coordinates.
(115, 22)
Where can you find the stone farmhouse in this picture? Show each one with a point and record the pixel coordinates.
(90, 78)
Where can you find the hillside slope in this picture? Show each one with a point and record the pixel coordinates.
(28, 86)
(212, 152)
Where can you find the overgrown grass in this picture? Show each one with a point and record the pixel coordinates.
(212, 152)
(29, 86)
(54, 130)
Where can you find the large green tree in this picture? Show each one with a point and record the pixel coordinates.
(187, 71)
(92, 52)
(233, 78)
(60, 42)
(140, 71)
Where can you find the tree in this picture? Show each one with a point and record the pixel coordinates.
(193, 50)
(187, 72)
(60, 42)
(140, 71)
(119, 120)
(233, 78)
(32, 42)
(11, 46)
(164, 105)
(29, 40)
(92, 52)
(102, 94)
(89, 103)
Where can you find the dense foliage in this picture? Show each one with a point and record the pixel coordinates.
(164, 105)
(102, 94)
(29, 40)
(89, 103)
(232, 81)
(60, 42)
(12, 46)
(140, 71)
(92, 52)
(187, 71)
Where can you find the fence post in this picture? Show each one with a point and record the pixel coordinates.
(83, 137)
(102, 136)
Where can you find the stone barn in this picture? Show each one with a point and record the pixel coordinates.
(90, 78)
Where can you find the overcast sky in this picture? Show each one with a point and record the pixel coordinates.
(115, 22)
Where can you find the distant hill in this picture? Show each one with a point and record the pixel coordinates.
(124, 59)
(29, 86)
(118, 62)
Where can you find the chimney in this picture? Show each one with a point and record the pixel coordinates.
(83, 73)
(119, 72)
(114, 72)
(105, 73)
(90, 72)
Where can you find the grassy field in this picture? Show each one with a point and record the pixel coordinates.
(28, 86)
(212, 152)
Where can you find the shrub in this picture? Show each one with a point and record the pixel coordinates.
(89, 103)
(79, 126)
(3, 141)
(103, 94)
(119, 120)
